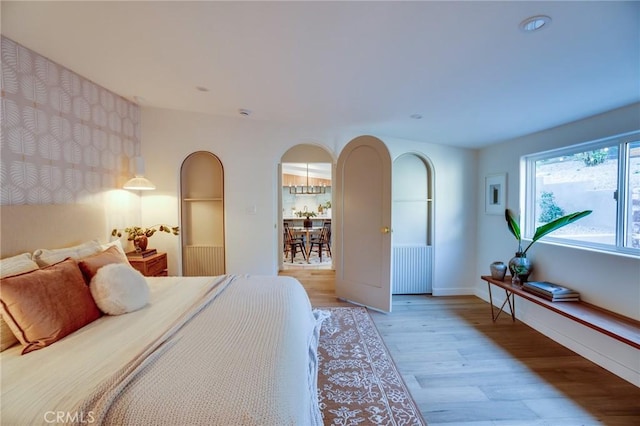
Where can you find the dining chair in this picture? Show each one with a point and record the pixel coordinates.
(322, 242)
(291, 244)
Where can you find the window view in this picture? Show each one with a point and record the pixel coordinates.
(603, 177)
(633, 195)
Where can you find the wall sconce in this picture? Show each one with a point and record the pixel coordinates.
(139, 182)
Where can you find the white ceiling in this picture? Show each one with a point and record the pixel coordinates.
(367, 66)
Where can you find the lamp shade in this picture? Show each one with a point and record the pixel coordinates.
(139, 182)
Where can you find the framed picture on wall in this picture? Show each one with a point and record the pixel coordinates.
(495, 193)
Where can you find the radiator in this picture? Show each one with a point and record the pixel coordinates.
(412, 267)
(202, 261)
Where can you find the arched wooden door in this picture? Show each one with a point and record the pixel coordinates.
(202, 215)
(363, 264)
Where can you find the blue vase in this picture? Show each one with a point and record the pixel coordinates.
(520, 268)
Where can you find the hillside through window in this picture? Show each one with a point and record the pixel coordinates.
(602, 176)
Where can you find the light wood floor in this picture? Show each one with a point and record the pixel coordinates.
(462, 369)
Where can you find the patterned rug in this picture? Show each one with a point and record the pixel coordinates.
(358, 383)
(314, 260)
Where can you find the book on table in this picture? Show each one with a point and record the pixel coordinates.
(551, 291)
(142, 254)
(559, 298)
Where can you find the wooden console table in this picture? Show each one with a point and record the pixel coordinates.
(621, 328)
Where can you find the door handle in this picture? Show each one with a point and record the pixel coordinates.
(385, 230)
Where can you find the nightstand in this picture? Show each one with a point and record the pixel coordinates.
(152, 266)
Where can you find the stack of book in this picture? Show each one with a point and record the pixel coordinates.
(142, 254)
(550, 291)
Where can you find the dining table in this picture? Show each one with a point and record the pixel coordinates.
(307, 233)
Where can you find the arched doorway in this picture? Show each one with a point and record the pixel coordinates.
(413, 225)
(305, 176)
(202, 215)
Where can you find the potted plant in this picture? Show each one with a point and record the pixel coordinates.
(140, 235)
(307, 223)
(519, 265)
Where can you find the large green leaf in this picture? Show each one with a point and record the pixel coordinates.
(512, 224)
(543, 230)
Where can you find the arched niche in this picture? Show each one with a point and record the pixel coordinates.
(202, 215)
(412, 224)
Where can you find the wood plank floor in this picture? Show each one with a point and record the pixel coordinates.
(462, 369)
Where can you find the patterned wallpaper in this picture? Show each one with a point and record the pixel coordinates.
(64, 139)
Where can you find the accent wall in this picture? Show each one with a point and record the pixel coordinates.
(65, 139)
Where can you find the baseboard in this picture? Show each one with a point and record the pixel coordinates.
(460, 291)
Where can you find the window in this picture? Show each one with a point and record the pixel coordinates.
(603, 176)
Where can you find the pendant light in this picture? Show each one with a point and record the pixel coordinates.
(307, 190)
(139, 182)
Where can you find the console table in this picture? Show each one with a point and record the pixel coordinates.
(619, 327)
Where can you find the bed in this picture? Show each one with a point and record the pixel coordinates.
(232, 349)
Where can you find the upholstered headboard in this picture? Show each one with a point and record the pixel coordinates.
(25, 228)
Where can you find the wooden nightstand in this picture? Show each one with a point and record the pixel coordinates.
(152, 266)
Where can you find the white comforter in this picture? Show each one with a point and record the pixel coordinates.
(225, 350)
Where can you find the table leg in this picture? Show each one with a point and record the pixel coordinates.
(509, 300)
(491, 301)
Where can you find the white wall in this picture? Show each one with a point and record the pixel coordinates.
(607, 280)
(250, 151)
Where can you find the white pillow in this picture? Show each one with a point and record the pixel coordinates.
(17, 265)
(13, 266)
(117, 288)
(116, 243)
(46, 257)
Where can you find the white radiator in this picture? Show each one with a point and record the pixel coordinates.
(202, 261)
(412, 270)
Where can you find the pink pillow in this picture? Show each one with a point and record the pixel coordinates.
(90, 265)
(13, 266)
(43, 306)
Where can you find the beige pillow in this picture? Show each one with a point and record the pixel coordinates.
(45, 257)
(13, 266)
(45, 305)
(90, 265)
(17, 265)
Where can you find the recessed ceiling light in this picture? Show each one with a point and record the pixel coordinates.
(202, 89)
(416, 116)
(535, 23)
(244, 112)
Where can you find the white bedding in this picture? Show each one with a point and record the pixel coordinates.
(248, 357)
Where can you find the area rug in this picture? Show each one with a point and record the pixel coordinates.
(358, 383)
(314, 260)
